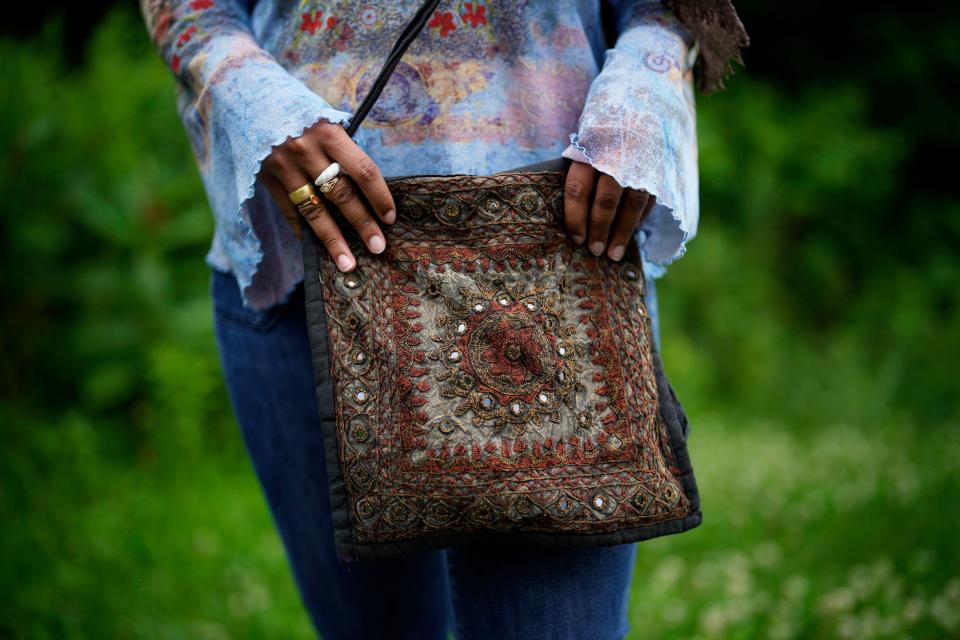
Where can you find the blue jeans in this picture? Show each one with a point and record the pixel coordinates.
(477, 591)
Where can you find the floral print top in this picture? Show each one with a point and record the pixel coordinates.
(487, 86)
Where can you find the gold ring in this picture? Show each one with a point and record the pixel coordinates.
(301, 195)
(310, 202)
(329, 185)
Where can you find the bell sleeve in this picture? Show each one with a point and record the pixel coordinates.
(638, 124)
(236, 102)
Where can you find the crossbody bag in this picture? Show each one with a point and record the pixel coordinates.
(486, 380)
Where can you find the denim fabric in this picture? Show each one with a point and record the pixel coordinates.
(478, 591)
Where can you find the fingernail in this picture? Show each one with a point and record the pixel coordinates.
(617, 252)
(390, 216)
(344, 262)
(377, 244)
(596, 248)
(577, 239)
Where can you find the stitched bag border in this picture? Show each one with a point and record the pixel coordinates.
(348, 549)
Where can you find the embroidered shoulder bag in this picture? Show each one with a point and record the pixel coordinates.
(485, 379)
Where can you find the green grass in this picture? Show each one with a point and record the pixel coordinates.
(838, 533)
(163, 547)
(844, 532)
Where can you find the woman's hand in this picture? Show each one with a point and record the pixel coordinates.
(600, 211)
(361, 195)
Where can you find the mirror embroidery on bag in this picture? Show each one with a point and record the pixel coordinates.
(506, 380)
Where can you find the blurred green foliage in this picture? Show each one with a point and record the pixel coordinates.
(813, 331)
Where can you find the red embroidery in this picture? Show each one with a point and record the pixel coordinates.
(443, 20)
(312, 20)
(200, 5)
(513, 353)
(331, 22)
(185, 36)
(175, 63)
(474, 14)
(470, 396)
(164, 20)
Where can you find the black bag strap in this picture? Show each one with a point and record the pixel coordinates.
(407, 36)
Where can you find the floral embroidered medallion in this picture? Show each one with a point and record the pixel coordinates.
(489, 376)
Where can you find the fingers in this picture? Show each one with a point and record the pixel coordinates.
(327, 230)
(633, 203)
(290, 177)
(311, 153)
(602, 212)
(347, 199)
(576, 199)
(364, 173)
(279, 194)
(596, 206)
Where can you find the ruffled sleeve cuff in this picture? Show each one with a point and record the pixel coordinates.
(639, 126)
(248, 105)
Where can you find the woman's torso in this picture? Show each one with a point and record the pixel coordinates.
(486, 86)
